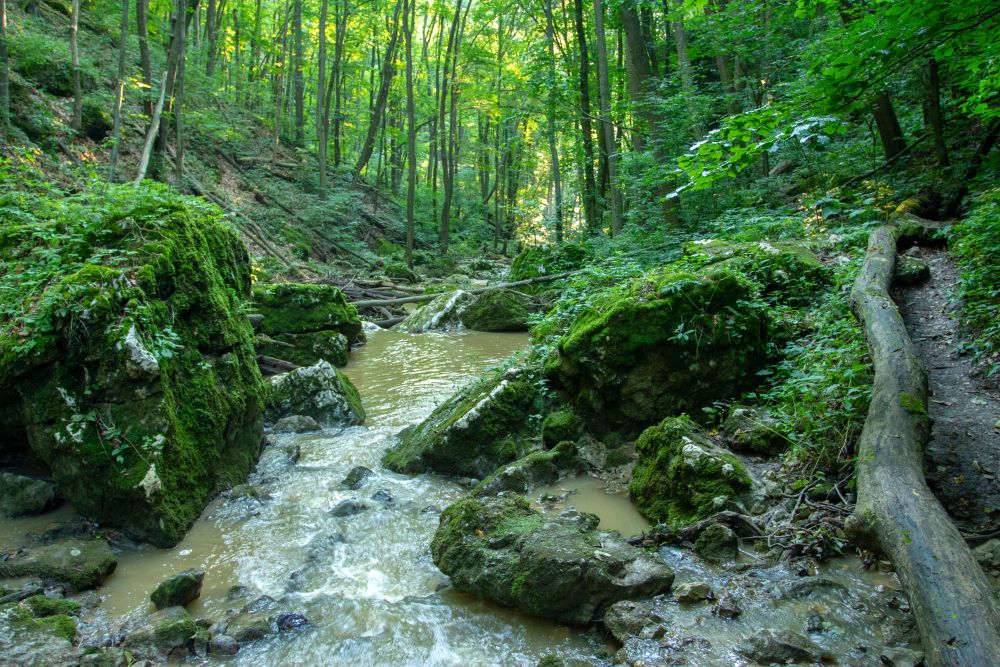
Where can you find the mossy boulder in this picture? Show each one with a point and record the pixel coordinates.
(498, 310)
(910, 271)
(27, 640)
(717, 544)
(83, 564)
(789, 272)
(753, 431)
(319, 391)
(667, 343)
(682, 476)
(444, 313)
(304, 323)
(501, 549)
(21, 495)
(558, 426)
(178, 590)
(531, 471)
(164, 631)
(126, 360)
(400, 272)
(545, 260)
(481, 427)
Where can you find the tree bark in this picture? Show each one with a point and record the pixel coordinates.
(321, 101)
(119, 93)
(553, 147)
(178, 105)
(888, 126)
(4, 72)
(154, 127)
(411, 133)
(298, 75)
(953, 603)
(608, 130)
(211, 30)
(586, 128)
(934, 116)
(684, 67)
(378, 105)
(142, 28)
(74, 54)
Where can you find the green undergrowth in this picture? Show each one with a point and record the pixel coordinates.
(976, 243)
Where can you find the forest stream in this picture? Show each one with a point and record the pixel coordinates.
(366, 582)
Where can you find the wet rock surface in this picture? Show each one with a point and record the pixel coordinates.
(20, 495)
(178, 590)
(320, 392)
(82, 564)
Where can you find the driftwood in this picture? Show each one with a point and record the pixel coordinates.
(421, 298)
(952, 601)
(389, 323)
(271, 366)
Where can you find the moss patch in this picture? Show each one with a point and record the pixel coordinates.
(498, 310)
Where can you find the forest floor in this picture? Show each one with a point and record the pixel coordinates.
(963, 456)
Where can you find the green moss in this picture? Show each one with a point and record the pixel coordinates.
(681, 476)
(535, 469)
(400, 272)
(558, 426)
(498, 310)
(20, 619)
(60, 625)
(544, 260)
(298, 308)
(42, 606)
(913, 404)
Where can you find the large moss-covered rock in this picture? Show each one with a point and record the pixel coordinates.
(790, 272)
(83, 564)
(126, 354)
(501, 549)
(498, 310)
(21, 495)
(546, 260)
(667, 343)
(319, 391)
(178, 590)
(481, 427)
(305, 323)
(683, 476)
(444, 313)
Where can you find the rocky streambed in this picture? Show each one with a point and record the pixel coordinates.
(324, 558)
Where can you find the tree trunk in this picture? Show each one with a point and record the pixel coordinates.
(211, 30)
(638, 73)
(298, 75)
(179, 103)
(586, 129)
(952, 602)
(888, 126)
(607, 128)
(378, 105)
(684, 67)
(553, 147)
(321, 101)
(934, 117)
(119, 93)
(4, 72)
(411, 133)
(74, 54)
(142, 28)
(154, 127)
(338, 52)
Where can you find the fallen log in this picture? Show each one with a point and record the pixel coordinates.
(421, 298)
(389, 323)
(952, 601)
(271, 366)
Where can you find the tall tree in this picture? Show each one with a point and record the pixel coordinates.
(388, 70)
(74, 54)
(119, 92)
(321, 101)
(551, 113)
(604, 86)
(411, 133)
(4, 71)
(586, 128)
(299, 74)
(141, 27)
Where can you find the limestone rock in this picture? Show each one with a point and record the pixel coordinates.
(319, 391)
(501, 549)
(25, 640)
(481, 427)
(692, 591)
(559, 426)
(498, 310)
(442, 314)
(296, 424)
(753, 431)
(21, 495)
(83, 564)
(534, 470)
(717, 544)
(770, 646)
(666, 343)
(178, 590)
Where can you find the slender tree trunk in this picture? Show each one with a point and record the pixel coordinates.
(255, 45)
(934, 116)
(211, 29)
(119, 93)
(608, 130)
(638, 72)
(338, 52)
(378, 107)
(154, 127)
(320, 101)
(141, 27)
(553, 147)
(888, 126)
(684, 67)
(74, 54)
(299, 78)
(4, 72)
(179, 103)
(411, 132)
(237, 70)
(279, 90)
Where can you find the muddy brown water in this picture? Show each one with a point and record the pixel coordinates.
(367, 582)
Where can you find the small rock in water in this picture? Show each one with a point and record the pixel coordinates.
(357, 477)
(348, 508)
(431, 509)
(223, 645)
(178, 590)
(815, 623)
(693, 591)
(727, 607)
(296, 424)
(770, 646)
(383, 496)
(291, 620)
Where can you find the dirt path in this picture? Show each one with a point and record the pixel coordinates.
(963, 456)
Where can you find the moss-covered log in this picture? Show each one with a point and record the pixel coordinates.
(954, 605)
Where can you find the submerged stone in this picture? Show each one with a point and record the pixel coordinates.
(20, 495)
(296, 424)
(498, 310)
(178, 590)
(501, 549)
(478, 429)
(664, 344)
(444, 313)
(83, 564)
(357, 477)
(682, 476)
(319, 391)
(770, 646)
(139, 391)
